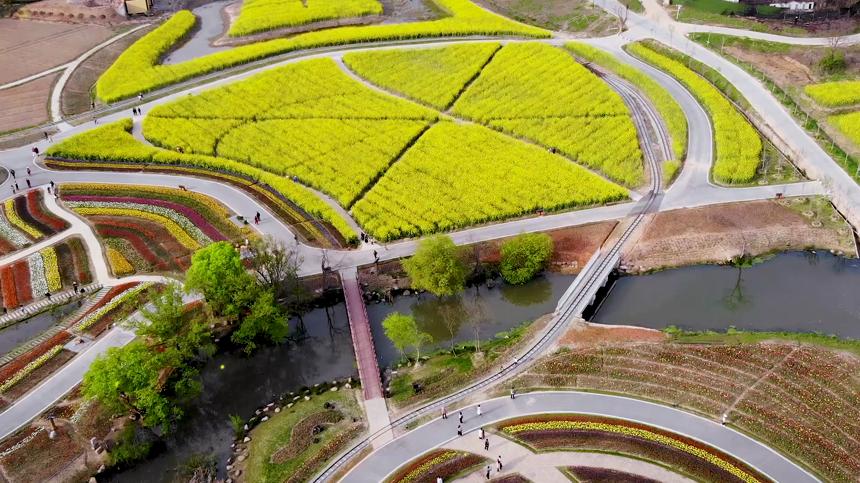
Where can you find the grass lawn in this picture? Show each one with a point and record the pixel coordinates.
(276, 454)
(735, 337)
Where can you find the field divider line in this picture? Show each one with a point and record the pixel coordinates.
(752, 386)
(475, 77)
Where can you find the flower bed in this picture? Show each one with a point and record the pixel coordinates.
(8, 370)
(29, 368)
(111, 308)
(150, 229)
(442, 463)
(49, 270)
(556, 432)
(25, 220)
(589, 474)
(302, 435)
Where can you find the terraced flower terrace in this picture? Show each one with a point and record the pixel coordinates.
(150, 229)
(801, 400)
(49, 270)
(25, 220)
(442, 463)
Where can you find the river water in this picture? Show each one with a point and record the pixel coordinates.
(325, 354)
(15, 335)
(798, 291)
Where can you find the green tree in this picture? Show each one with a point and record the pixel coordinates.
(404, 332)
(128, 379)
(266, 321)
(525, 256)
(217, 272)
(437, 266)
(172, 327)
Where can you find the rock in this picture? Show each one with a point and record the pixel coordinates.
(228, 467)
(289, 405)
(347, 386)
(277, 410)
(265, 418)
(241, 459)
(296, 398)
(270, 405)
(228, 480)
(257, 412)
(307, 398)
(334, 388)
(246, 427)
(92, 479)
(238, 473)
(246, 440)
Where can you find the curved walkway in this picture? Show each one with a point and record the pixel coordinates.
(440, 433)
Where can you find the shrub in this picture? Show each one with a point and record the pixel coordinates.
(833, 62)
(525, 256)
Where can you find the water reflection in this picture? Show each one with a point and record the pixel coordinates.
(15, 335)
(799, 291)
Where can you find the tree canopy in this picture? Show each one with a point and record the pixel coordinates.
(265, 321)
(217, 272)
(404, 333)
(437, 266)
(525, 256)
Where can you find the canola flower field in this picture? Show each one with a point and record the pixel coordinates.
(261, 15)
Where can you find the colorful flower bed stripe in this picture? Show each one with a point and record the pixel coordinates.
(119, 301)
(553, 424)
(13, 367)
(151, 229)
(24, 219)
(441, 463)
(49, 270)
(119, 265)
(29, 368)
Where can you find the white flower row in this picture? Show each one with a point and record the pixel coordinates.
(174, 215)
(11, 233)
(29, 368)
(22, 443)
(38, 281)
(92, 318)
(81, 410)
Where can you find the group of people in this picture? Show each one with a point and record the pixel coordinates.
(16, 188)
(482, 435)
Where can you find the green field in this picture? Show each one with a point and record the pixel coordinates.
(261, 15)
(849, 125)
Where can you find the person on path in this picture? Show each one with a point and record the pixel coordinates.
(439, 479)
(12, 172)
(52, 183)
(28, 183)
(513, 393)
(28, 169)
(140, 96)
(46, 135)
(459, 430)
(16, 186)
(478, 410)
(461, 417)
(481, 433)
(133, 112)
(486, 444)
(499, 461)
(444, 412)
(488, 472)
(92, 105)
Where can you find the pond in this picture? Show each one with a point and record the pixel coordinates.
(494, 309)
(21, 332)
(797, 291)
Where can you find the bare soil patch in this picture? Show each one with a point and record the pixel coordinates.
(26, 105)
(29, 46)
(76, 97)
(565, 15)
(715, 234)
(798, 66)
(592, 335)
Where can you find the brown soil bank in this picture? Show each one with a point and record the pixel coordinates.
(715, 234)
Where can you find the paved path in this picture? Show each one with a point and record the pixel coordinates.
(54, 388)
(440, 433)
(546, 467)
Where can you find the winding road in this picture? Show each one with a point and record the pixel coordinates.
(692, 188)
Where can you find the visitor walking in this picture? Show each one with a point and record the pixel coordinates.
(486, 444)
(499, 461)
(28, 183)
(461, 417)
(46, 135)
(481, 433)
(12, 172)
(140, 96)
(513, 393)
(52, 183)
(459, 430)
(488, 472)
(478, 410)
(28, 169)
(16, 186)
(444, 412)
